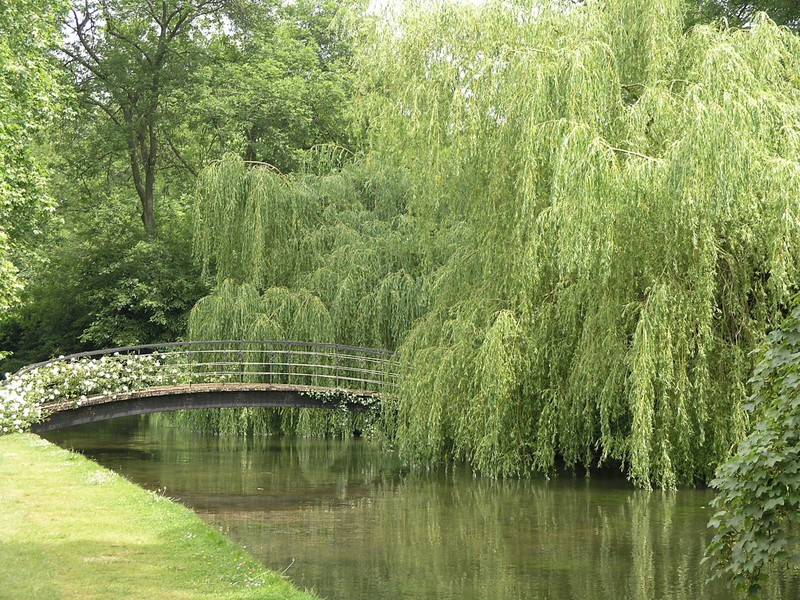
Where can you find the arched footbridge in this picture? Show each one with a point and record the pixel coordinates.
(135, 380)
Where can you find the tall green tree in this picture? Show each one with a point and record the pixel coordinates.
(114, 286)
(30, 96)
(602, 206)
(627, 205)
(286, 83)
(605, 209)
(270, 85)
(127, 59)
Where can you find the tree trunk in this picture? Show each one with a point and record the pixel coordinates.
(148, 209)
(142, 146)
(149, 218)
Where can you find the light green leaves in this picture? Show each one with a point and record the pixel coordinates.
(29, 98)
(575, 225)
(626, 209)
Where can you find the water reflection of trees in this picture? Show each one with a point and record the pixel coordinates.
(358, 526)
(353, 523)
(465, 538)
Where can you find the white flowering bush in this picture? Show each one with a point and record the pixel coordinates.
(16, 412)
(24, 396)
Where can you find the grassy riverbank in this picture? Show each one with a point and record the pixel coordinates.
(72, 529)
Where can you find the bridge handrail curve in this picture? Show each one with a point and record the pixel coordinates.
(120, 371)
(381, 352)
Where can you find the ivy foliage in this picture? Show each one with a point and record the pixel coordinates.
(757, 518)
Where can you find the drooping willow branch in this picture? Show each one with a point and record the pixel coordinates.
(548, 301)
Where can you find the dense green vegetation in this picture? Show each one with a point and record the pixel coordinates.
(29, 99)
(758, 505)
(574, 222)
(590, 226)
(143, 116)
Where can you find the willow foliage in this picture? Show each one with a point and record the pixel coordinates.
(311, 257)
(627, 199)
(250, 219)
(575, 224)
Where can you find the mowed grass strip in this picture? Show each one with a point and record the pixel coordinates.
(72, 529)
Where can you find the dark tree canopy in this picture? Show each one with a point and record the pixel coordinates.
(161, 89)
(739, 13)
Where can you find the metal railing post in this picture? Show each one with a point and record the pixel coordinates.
(336, 366)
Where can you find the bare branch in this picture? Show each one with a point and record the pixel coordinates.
(126, 40)
(81, 33)
(112, 114)
(180, 157)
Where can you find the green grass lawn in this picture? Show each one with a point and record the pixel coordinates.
(72, 529)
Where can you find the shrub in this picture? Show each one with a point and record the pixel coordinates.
(758, 501)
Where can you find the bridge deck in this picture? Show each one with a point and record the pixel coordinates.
(205, 388)
(207, 395)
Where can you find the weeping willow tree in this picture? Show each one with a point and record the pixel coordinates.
(322, 258)
(624, 199)
(574, 224)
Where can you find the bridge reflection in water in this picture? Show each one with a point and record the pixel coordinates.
(133, 380)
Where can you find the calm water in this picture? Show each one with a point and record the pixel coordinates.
(345, 519)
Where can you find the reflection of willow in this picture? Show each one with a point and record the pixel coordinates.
(541, 540)
(348, 515)
(238, 466)
(305, 422)
(463, 538)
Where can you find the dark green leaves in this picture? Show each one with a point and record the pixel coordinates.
(758, 501)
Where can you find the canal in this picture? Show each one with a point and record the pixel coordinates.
(351, 522)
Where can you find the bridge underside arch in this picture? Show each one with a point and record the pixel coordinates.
(167, 399)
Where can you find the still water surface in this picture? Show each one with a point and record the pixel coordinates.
(348, 521)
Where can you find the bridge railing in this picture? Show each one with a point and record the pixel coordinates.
(76, 377)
